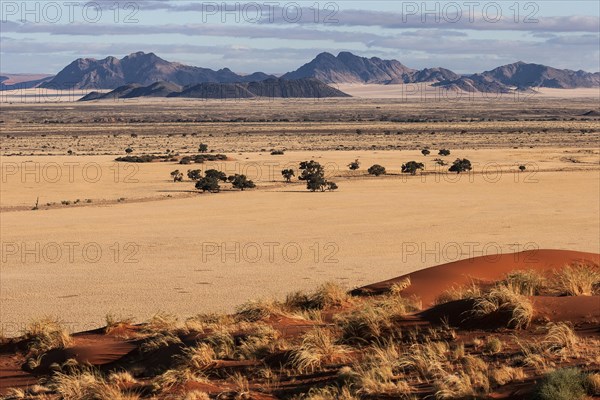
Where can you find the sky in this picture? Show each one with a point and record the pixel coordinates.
(279, 36)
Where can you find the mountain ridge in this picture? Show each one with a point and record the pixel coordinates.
(147, 68)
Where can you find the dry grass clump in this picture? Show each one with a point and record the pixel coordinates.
(319, 347)
(461, 385)
(532, 355)
(427, 360)
(256, 310)
(525, 282)
(200, 357)
(577, 279)
(592, 382)
(378, 374)
(196, 395)
(177, 377)
(328, 393)
(162, 322)
(505, 374)
(210, 321)
(158, 341)
(121, 378)
(374, 319)
(399, 286)
(455, 293)
(328, 295)
(87, 384)
(46, 334)
(503, 299)
(560, 337)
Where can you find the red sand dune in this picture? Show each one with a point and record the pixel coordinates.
(429, 283)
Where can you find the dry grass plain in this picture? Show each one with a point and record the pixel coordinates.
(143, 243)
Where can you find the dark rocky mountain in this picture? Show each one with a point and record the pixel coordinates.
(522, 76)
(141, 68)
(144, 69)
(273, 87)
(348, 68)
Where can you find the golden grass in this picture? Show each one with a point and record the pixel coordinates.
(503, 299)
(505, 374)
(455, 293)
(560, 336)
(319, 347)
(593, 384)
(46, 334)
(577, 279)
(525, 282)
(87, 384)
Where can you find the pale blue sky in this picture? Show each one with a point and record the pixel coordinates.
(563, 34)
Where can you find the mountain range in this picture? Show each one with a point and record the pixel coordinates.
(145, 69)
(272, 87)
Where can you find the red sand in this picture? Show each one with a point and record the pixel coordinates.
(429, 283)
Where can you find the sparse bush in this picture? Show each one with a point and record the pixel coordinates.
(425, 152)
(288, 174)
(444, 152)
(177, 176)
(562, 384)
(354, 165)
(376, 170)
(412, 167)
(460, 165)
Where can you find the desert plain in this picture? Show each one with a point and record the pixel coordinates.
(85, 236)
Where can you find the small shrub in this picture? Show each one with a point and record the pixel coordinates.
(412, 167)
(425, 152)
(288, 174)
(354, 165)
(277, 153)
(444, 152)
(376, 170)
(562, 384)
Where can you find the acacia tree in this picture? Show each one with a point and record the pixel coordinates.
(194, 174)
(314, 175)
(287, 174)
(241, 182)
(411, 167)
(214, 174)
(460, 165)
(444, 152)
(203, 148)
(208, 184)
(177, 176)
(376, 170)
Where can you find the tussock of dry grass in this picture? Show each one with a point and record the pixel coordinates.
(503, 299)
(560, 337)
(318, 347)
(471, 291)
(525, 282)
(328, 295)
(46, 334)
(577, 280)
(593, 384)
(87, 384)
(505, 374)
